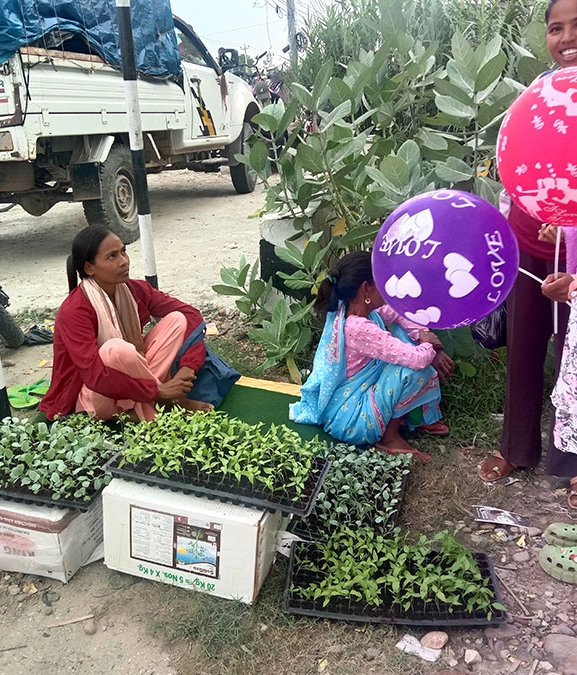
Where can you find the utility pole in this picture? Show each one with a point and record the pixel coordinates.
(136, 140)
(4, 403)
(292, 31)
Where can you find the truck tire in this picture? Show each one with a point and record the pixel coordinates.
(10, 332)
(116, 209)
(243, 177)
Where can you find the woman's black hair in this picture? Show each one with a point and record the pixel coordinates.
(343, 281)
(84, 249)
(548, 10)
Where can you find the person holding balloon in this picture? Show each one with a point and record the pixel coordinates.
(535, 156)
(374, 370)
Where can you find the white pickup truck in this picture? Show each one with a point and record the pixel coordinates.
(64, 129)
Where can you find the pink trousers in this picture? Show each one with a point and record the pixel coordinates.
(161, 344)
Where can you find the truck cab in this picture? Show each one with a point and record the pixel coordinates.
(64, 130)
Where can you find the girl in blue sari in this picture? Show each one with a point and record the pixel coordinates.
(373, 370)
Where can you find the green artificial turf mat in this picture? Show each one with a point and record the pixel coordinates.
(254, 405)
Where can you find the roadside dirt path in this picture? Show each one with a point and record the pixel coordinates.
(200, 224)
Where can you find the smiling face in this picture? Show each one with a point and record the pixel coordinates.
(111, 264)
(562, 32)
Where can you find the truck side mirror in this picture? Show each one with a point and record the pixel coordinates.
(228, 58)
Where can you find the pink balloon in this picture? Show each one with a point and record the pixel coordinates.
(537, 149)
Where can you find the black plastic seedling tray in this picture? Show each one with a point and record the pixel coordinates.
(225, 488)
(43, 497)
(344, 609)
(310, 529)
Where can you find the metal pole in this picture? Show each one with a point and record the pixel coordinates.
(136, 140)
(4, 402)
(292, 31)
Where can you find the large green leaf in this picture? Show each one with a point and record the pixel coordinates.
(459, 76)
(463, 54)
(529, 68)
(448, 88)
(310, 158)
(490, 72)
(490, 50)
(432, 140)
(279, 317)
(396, 170)
(290, 254)
(337, 114)
(259, 157)
(340, 91)
(348, 148)
(392, 19)
(450, 106)
(454, 170)
(321, 82)
(365, 234)
(410, 152)
(265, 121)
(483, 189)
(535, 34)
(221, 289)
(303, 95)
(310, 253)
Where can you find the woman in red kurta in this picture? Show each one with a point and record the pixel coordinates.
(102, 363)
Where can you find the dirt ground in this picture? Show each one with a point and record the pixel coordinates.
(201, 224)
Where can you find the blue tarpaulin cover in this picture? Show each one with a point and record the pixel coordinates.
(42, 23)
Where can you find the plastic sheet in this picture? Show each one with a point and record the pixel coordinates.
(93, 27)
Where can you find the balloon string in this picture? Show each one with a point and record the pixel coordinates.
(529, 274)
(541, 281)
(556, 273)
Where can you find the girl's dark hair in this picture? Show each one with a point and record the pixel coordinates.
(84, 249)
(343, 281)
(548, 10)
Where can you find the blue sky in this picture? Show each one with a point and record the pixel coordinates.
(251, 25)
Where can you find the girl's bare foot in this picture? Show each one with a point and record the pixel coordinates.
(398, 445)
(393, 443)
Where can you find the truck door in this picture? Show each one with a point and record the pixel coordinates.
(211, 109)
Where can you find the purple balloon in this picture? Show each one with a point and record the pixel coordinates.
(445, 259)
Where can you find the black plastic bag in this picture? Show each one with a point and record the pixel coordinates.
(491, 332)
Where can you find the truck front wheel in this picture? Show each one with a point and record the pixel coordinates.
(243, 177)
(116, 209)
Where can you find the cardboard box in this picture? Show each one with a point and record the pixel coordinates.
(191, 542)
(48, 541)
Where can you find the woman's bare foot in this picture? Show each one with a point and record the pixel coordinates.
(193, 406)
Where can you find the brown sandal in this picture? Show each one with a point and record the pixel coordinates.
(497, 466)
(572, 496)
(438, 428)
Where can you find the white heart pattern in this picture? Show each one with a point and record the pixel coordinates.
(462, 283)
(408, 284)
(419, 226)
(459, 275)
(425, 316)
(456, 261)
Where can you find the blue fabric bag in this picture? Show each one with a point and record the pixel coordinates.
(215, 377)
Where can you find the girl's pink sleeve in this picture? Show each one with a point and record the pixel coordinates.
(367, 339)
(389, 315)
